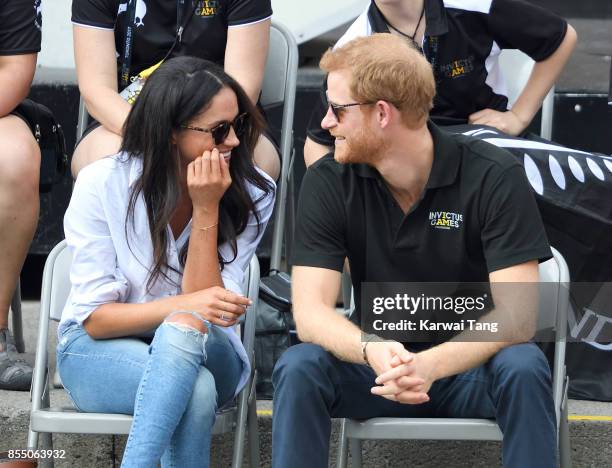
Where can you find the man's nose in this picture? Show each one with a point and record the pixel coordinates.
(329, 120)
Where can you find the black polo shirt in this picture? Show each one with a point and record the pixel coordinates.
(462, 42)
(156, 22)
(20, 27)
(477, 215)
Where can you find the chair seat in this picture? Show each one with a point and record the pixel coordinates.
(68, 420)
(424, 428)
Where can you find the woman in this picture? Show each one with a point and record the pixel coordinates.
(115, 40)
(161, 234)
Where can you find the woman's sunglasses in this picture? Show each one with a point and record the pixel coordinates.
(221, 131)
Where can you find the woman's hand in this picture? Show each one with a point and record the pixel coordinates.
(208, 178)
(217, 305)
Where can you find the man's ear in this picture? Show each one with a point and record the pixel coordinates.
(385, 113)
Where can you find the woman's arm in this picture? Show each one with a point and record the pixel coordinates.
(245, 55)
(96, 64)
(207, 180)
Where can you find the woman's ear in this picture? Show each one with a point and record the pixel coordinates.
(173, 137)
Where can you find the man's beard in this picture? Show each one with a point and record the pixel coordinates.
(363, 148)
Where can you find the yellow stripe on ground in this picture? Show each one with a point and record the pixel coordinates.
(580, 417)
(573, 417)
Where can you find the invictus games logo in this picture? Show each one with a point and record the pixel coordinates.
(206, 8)
(458, 68)
(37, 14)
(445, 219)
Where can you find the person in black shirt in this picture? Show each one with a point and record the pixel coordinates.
(462, 41)
(231, 33)
(408, 203)
(20, 23)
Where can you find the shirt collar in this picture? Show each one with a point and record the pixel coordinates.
(135, 169)
(445, 166)
(435, 16)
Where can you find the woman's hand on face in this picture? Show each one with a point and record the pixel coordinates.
(208, 178)
(217, 305)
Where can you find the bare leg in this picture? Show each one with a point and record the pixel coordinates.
(267, 158)
(19, 204)
(96, 145)
(314, 151)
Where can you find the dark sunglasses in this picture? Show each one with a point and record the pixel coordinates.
(221, 131)
(338, 109)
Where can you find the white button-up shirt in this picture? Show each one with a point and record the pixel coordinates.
(110, 266)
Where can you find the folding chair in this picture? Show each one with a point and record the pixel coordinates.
(279, 85)
(46, 419)
(554, 305)
(516, 68)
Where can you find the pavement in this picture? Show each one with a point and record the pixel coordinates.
(590, 432)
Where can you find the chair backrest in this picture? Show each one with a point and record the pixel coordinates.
(279, 85)
(56, 281)
(516, 68)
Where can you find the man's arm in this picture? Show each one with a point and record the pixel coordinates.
(16, 74)
(542, 78)
(455, 357)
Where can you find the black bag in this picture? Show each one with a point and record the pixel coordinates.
(273, 327)
(50, 138)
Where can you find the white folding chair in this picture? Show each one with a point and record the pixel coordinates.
(47, 419)
(516, 68)
(554, 303)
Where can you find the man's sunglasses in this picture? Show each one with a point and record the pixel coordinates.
(221, 131)
(339, 109)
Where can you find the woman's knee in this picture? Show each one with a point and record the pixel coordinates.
(20, 157)
(187, 320)
(98, 144)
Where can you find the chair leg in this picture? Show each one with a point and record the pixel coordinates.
(16, 319)
(565, 459)
(241, 419)
(355, 445)
(253, 438)
(342, 457)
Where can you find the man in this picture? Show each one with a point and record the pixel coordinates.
(462, 41)
(19, 169)
(374, 208)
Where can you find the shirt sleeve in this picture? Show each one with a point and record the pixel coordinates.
(233, 272)
(243, 12)
(94, 274)
(512, 229)
(516, 24)
(20, 27)
(96, 13)
(320, 232)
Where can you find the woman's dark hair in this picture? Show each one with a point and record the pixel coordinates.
(172, 96)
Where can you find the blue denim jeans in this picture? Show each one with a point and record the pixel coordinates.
(311, 386)
(173, 388)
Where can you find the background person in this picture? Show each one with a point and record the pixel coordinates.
(233, 34)
(161, 235)
(462, 41)
(20, 33)
(397, 169)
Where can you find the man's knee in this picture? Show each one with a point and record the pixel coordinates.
(301, 363)
(20, 156)
(523, 363)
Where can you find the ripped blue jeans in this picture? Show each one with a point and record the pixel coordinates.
(173, 388)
